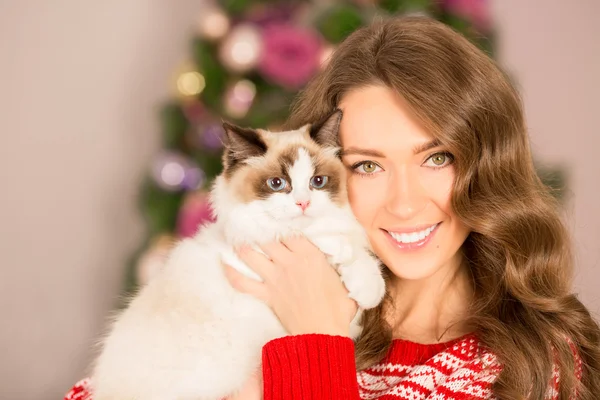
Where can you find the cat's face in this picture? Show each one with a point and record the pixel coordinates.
(283, 176)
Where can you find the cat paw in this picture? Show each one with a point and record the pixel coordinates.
(356, 327)
(343, 255)
(337, 250)
(365, 284)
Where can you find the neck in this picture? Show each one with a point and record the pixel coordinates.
(430, 310)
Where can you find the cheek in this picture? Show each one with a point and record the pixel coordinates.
(365, 196)
(320, 199)
(278, 204)
(438, 186)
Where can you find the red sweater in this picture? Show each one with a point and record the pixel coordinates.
(321, 367)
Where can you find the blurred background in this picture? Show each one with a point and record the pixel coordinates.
(110, 124)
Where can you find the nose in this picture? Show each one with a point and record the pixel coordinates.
(406, 196)
(303, 204)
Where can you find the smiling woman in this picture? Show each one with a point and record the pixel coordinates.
(442, 179)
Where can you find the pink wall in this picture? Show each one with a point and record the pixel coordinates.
(80, 82)
(553, 50)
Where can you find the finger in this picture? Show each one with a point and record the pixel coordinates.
(276, 251)
(256, 261)
(246, 285)
(301, 245)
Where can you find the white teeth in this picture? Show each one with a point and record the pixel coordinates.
(412, 237)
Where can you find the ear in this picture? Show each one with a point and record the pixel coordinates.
(326, 131)
(240, 144)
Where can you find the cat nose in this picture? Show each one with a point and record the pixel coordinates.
(303, 204)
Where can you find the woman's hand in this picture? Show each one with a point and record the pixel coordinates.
(303, 290)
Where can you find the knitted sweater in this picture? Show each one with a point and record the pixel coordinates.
(322, 367)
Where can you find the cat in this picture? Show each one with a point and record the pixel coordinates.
(187, 334)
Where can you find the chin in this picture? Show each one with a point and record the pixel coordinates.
(412, 271)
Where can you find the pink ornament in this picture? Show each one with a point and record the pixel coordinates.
(476, 11)
(291, 55)
(194, 212)
(239, 97)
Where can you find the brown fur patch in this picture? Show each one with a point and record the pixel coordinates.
(240, 144)
(336, 173)
(326, 131)
(250, 181)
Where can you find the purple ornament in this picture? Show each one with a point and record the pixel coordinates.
(266, 14)
(212, 136)
(173, 171)
(206, 135)
(194, 212)
(291, 55)
(194, 178)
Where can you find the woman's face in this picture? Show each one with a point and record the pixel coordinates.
(399, 184)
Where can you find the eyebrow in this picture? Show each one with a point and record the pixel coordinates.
(426, 146)
(362, 152)
(375, 153)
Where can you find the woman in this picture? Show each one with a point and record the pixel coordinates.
(477, 261)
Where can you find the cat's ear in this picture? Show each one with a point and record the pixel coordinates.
(240, 144)
(326, 131)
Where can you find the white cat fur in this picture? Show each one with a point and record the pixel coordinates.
(188, 335)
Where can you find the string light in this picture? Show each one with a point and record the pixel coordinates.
(241, 49)
(213, 24)
(190, 83)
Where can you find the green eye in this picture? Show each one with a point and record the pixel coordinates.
(439, 159)
(368, 167)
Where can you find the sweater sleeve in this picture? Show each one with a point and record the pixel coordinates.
(310, 367)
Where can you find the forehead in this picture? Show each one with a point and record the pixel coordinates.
(377, 117)
(292, 148)
(296, 160)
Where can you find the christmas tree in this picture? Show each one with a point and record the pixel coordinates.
(248, 59)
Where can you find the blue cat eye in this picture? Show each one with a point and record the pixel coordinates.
(276, 184)
(318, 181)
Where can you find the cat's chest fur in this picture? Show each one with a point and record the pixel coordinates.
(335, 234)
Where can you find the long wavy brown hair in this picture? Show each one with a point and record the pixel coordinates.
(518, 252)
